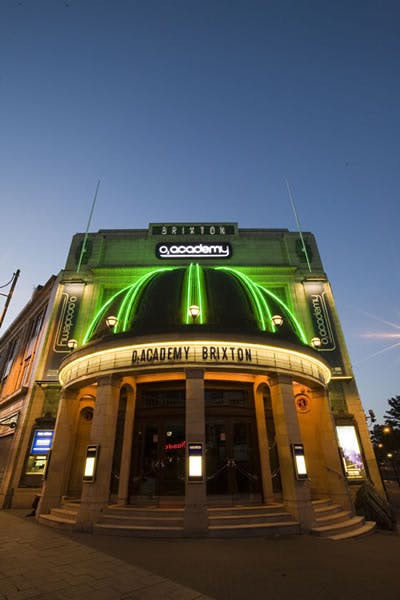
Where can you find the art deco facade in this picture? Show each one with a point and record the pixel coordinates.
(223, 380)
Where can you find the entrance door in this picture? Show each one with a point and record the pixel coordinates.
(231, 457)
(159, 458)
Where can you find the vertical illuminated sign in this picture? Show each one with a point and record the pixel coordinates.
(351, 452)
(299, 461)
(195, 458)
(65, 321)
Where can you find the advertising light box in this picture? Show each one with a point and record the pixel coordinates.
(42, 441)
(351, 453)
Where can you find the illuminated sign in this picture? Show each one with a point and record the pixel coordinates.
(42, 441)
(321, 315)
(215, 354)
(195, 466)
(299, 461)
(168, 250)
(89, 473)
(351, 453)
(162, 354)
(188, 229)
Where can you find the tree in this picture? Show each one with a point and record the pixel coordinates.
(392, 416)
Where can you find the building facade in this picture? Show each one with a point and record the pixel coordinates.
(196, 365)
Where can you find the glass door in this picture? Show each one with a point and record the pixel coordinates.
(158, 467)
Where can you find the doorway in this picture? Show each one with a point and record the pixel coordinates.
(232, 463)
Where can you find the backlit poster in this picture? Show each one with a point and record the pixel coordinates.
(351, 453)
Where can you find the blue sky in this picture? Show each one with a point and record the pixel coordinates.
(199, 111)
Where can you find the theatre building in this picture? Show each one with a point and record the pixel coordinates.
(204, 388)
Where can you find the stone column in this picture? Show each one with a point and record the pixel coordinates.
(195, 515)
(95, 495)
(336, 483)
(263, 446)
(123, 488)
(296, 493)
(63, 443)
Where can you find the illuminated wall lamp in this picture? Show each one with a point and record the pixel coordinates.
(277, 320)
(194, 311)
(111, 322)
(72, 344)
(316, 342)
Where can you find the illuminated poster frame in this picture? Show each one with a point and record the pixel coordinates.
(353, 462)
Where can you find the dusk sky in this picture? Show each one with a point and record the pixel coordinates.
(198, 111)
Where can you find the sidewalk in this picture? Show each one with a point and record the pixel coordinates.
(40, 563)
(48, 564)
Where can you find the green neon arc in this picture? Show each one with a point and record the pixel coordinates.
(258, 291)
(194, 293)
(260, 306)
(128, 306)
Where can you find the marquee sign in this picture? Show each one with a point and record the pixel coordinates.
(206, 354)
(168, 250)
(189, 229)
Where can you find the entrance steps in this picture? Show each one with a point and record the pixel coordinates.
(140, 522)
(64, 517)
(334, 523)
(250, 521)
(238, 521)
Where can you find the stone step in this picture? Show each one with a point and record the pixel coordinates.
(277, 528)
(367, 529)
(57, 521)
(267, 509)
(334, 517)
(139, 520)
(133, 511)
(345, 526)
(238, 519)
(137, 530)
(65, 513)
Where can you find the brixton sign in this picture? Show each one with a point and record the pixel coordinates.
(177, 355)
(168, 250)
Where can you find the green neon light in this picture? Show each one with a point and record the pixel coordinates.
(129, 304)
(187, 294)
(259, 291)
(99, 314)
(132, 294)
(260, 306)
(201, 294)
(296, 324)
(194, 293)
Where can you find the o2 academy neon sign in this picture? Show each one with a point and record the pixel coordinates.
(168, 250)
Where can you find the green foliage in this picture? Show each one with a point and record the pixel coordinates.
(392, 416)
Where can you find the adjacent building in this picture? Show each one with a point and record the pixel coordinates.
(191, 365)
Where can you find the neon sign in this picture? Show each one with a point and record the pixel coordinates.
(168, 250)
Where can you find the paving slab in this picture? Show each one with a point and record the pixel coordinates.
(39, 563)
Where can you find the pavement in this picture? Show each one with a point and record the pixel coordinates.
(43, 563)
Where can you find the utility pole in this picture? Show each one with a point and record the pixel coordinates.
(13, 283)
